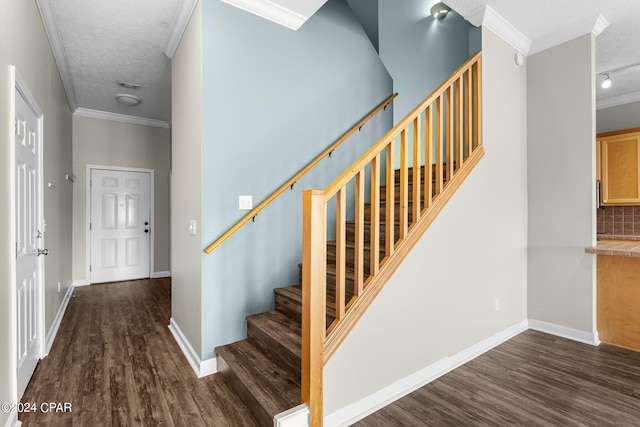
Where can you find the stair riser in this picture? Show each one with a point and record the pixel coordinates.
(350, 234)
(257, 411)
(293, 308)
(273, 348)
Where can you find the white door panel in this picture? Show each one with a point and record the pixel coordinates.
(120, 229)
(27, 220)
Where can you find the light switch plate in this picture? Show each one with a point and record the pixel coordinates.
(245, 203)
(192, 227)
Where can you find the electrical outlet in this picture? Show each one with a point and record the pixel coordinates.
(497, 304)
(245, 203)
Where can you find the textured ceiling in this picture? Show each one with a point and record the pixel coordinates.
(101, 42)
(618, 45)
(106, 41)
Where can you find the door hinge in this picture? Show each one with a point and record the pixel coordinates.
(89, 226)
(16, 250)
(89, 269)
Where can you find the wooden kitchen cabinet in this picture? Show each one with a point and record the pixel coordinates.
(619, 167)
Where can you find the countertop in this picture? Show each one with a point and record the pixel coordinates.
(616, 245)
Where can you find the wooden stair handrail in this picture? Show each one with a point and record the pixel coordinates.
(450, 121)
(298, 175)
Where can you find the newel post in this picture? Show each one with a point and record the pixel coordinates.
(314, 260)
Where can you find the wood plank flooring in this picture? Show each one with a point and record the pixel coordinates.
(534, 379)
(116, 362)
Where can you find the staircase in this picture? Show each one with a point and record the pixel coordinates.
(280, 363)
(264, 369)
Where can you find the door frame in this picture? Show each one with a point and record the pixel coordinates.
(90, 167)
(19, 85)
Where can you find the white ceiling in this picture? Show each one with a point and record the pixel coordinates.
(100, 42)
(548, 22)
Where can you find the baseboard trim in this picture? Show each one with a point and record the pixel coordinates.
(160, 274)
(202, 368)
(53, 331)
(13, 420)
(297, 416)
(358, 410)
(80, 283)
(565, 332)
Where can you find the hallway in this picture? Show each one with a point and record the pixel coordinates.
(115, 361)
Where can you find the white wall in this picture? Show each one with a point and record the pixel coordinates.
(186, 151)
(561, 165)
(441, 299)
(111, 143)
(23, 43)
(620, 117)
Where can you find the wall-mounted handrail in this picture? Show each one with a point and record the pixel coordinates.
(297, 176)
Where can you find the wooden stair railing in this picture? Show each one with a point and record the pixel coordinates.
(297, 176)
(437, 144)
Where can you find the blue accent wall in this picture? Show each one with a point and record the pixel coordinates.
(419, 51)
(273, 99)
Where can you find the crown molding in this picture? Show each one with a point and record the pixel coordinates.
(570, 32)
(271, 11)
(59, 54)
(503, 29)
(618, 100)
(85, 112)
(178, 26)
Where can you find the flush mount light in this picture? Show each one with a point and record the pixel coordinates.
(606, 83)
(439, 11)
(129, 100)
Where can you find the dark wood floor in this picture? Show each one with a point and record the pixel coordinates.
(532, 380)
(116, 362)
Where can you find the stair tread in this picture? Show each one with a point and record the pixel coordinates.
(280, 327)
(273, 387)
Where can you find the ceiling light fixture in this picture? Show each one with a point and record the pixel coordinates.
(129, 85)
(129, 100)
(439, 11)
(606, 83)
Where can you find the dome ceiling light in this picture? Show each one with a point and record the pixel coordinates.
(129, 100)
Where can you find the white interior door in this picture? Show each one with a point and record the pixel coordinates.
(120, 225)
(28, 238)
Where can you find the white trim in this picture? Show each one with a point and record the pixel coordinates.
(53, 331)
(178, 26)
(587, 337)
(79, 283)
(297, 416)
(160, 274)
(202, 368)
(59, 54)
(88, 213)
(13, 324)
(13, 420)
(271, 11)
(503, 29)
(86, 112)
(569, 32)
(360, 409)
(618, 100)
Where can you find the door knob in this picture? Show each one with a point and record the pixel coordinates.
(43, 252)
(146, 230)
(146, 223)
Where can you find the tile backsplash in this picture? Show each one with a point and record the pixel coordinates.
(623, 220)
